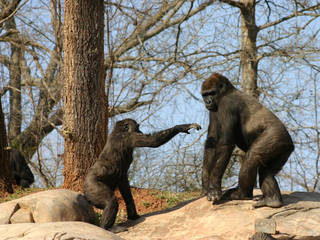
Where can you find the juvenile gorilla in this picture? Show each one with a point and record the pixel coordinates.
(20, 170)
(237, 119)
(111, 168)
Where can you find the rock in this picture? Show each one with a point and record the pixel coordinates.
(55, 231)
(261, 236)
(22, 215)
(299, 218)
(7, 211)
(265, 225)
(47, 206)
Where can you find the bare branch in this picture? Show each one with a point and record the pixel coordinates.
(145, 30)
(238, 4)
(8, 11)
(298, 13)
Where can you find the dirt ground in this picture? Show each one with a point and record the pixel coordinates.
(146, 200)
(151, 200)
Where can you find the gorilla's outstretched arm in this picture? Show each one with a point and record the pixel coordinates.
(111, 168)
(159, 138)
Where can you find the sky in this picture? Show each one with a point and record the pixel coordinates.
(291, 96)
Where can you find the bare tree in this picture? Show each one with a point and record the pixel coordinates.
(84, 103)
(23, 50)
(157, 54)
(7, 10)
(5, 177)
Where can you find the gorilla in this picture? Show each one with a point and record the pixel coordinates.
(111, 168)
(237, 119)
(20, 170)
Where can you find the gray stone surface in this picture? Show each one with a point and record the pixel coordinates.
(299, 218)
(265, 225)
(55, 231)
(7, 210)
(47, 206)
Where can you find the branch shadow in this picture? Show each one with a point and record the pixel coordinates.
(142, 218)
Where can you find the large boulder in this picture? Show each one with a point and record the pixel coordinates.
(299, 218)
(55, 231)
(47, 206)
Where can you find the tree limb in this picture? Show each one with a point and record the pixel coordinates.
(298, 13)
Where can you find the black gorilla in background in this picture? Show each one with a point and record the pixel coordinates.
(20, 170)
(237, 119)
(111, 168)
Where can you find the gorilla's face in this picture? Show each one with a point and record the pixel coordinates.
(127, 125)
(210, 100)
(134, 127)
(212, 89)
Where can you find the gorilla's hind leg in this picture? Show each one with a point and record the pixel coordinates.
(268, 183)
(109, 213)
(271, 193)
(102, 196)
(270, 190)
(247, 179)
(125, 191)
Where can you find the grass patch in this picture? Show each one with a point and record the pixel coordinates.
(173, 199)
(97, 218)
(19, 192)
(146, 204)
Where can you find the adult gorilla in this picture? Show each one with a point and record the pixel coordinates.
(111, 168)
(237, 119)
(20, 170)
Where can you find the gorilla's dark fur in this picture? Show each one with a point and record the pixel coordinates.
(237, 119)
(20, 170)
(111, 168)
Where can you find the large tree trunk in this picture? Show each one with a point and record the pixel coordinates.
(5, 178)
(84, 113)
(248, 57)
(15, 87)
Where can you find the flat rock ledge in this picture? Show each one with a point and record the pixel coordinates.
(62, 215)
(299, 218)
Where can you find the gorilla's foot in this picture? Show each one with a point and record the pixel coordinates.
(214, 196)
(236, 194)
(117, 229)
(268, 202)
(133, 216)
(227, 194)
(204, 193)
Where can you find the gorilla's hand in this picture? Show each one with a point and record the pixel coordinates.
(186, 127)
(214, 195)
(195, 126)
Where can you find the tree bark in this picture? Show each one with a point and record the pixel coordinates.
(248, 57)
(84, 114)
(5, 177)
(249, 53)
(15, 121)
